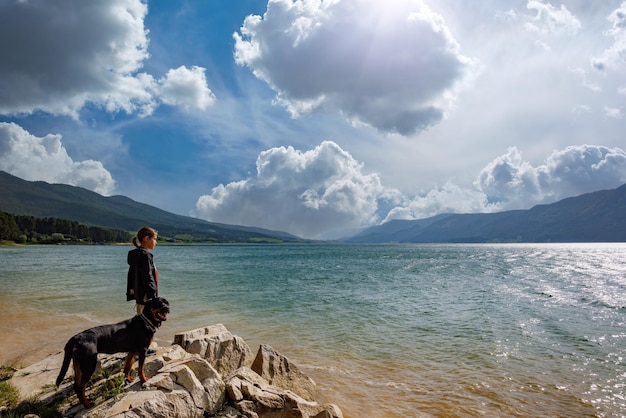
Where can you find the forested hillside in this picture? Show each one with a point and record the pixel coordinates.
(28, 229)
(62, 201)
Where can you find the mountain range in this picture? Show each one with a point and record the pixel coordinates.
(593, 217)
(44, 200)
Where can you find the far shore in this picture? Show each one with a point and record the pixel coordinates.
(160, 243)
(4, 243)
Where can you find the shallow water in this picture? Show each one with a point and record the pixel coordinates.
(385, 330)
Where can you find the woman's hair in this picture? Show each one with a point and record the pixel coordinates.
(146, 231)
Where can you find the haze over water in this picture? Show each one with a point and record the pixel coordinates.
(385, 330)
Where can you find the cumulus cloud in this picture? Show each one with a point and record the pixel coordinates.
(580, 169)
(510, 182)
(394, 66)
(33, 158)
(324, 192)
(614, 56)
(59, 55)
(514, 183)
(187, 88)
(451, 198)
(549, 19)
(312, 194)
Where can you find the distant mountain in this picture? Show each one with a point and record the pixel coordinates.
(593, 217)
(42, 200)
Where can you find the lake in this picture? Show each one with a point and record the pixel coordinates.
(385, 330)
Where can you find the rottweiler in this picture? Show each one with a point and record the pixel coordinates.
(133, 336)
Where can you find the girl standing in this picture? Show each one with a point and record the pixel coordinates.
(143, 277)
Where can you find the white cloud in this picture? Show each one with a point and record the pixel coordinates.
(613, 112)
(549, 19)
(45, 159)
(580, 169)
(59, 56)
(450, 198)
(394, 66)
(509, 182)
(321, 192)
(187, 88)
(615, 56)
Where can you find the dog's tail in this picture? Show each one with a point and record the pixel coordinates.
(69, 347)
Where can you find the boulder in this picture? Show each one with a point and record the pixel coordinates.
(223, 350)
(31, 381)
(198, 377)
(279, 371)
(173, 352)
(186, 338)
(38, 379)
(256, 397)
(133, 404)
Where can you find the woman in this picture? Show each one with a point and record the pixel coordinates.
(143, 277)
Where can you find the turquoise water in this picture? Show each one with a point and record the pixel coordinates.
(385, 330)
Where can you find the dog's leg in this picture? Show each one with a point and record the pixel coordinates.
(130, 359)
(84, 366)
(140, 371)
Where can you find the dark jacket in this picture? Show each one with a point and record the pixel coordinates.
(143, 277)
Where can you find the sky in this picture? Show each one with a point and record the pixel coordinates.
(316, 117)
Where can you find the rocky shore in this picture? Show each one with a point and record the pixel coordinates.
(206, 372)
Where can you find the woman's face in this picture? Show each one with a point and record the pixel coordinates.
(149, 242)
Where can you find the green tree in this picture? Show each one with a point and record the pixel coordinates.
(57, 237)
(8, 227)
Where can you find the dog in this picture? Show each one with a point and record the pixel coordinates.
(133, 336)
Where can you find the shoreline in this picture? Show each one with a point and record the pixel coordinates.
(207, 371)
(32, 336)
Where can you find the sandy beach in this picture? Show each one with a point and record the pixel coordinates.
(28, 336)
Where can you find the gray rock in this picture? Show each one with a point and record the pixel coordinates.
(279, 371)
(223, 350)
(256, 397)
(33, 380)
(184, 339)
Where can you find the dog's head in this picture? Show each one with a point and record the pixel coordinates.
(157, 309)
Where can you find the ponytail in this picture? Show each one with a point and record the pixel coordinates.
(146, 231)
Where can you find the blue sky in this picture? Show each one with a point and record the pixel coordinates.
(316, 117)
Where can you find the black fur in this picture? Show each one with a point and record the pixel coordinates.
(133, 336)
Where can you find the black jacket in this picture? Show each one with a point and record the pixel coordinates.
(143, 277)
